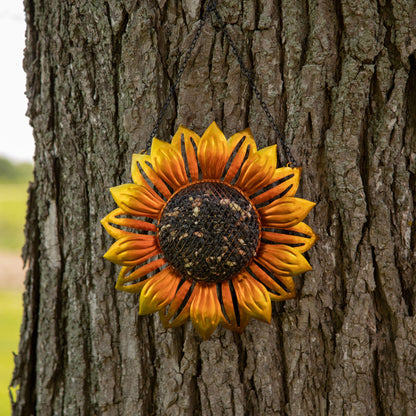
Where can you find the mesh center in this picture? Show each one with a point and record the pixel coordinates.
(209, 232)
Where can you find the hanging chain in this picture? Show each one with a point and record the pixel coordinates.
(212, 7)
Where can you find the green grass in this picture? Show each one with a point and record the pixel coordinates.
(12, 216)
(10, 318)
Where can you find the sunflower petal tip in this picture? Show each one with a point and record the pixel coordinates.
(142, 310)
(214, 130)
(115, 190)
(145, 306)
(247, 131)
(266, 316)
(157, 145)
(109, 255)
(206, 332)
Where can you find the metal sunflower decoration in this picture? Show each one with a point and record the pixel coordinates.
(210, 230)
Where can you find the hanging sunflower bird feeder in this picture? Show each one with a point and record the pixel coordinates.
(210, 229)
(218, 224)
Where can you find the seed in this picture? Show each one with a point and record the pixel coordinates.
(235, 207)
(183, 236)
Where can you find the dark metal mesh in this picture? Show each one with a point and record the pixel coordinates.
(209, 232)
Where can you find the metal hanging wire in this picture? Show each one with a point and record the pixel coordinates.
(212, 7)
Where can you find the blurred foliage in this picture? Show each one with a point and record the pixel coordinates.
(12, 216)
(12, 172)
(14, 181)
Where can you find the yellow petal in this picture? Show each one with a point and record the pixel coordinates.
(258, 170)
(137, 200)
(186, 141)
(300, 236)
(212, 152)
(205, 309)
(285, 212)
(158, 291)
(144, 162)
(282, 260)
(285, 182)
(177, 313)
(279, 287)
(136, 175)
(168, 164)
(132, 250)
(253, 297)
(112, 218)
(238, 145)
(233, 317)
(134, 281)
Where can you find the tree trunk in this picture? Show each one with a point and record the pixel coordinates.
(340, 79)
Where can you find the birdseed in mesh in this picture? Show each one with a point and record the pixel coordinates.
(209, 232)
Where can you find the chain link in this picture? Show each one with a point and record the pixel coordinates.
(212, 7)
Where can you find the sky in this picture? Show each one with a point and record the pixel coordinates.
(16, 140)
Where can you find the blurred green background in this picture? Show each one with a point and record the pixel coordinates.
(14, 179)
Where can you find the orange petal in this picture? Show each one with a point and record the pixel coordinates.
(133, 249)
(285, 212)
(112, 218)
(134, 282)
(282, 260)
(238, 145)
(234, 318)
(182, 141)
(285, 182)
(178, 311)
(212, 152)
(279, 287)
(168, 164)
(205, 309)
(158, 291)
(253, 297)
(258, 170)
(137, 200)
(300, 236)
(145, 164)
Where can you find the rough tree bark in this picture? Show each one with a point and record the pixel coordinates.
(340, 78)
